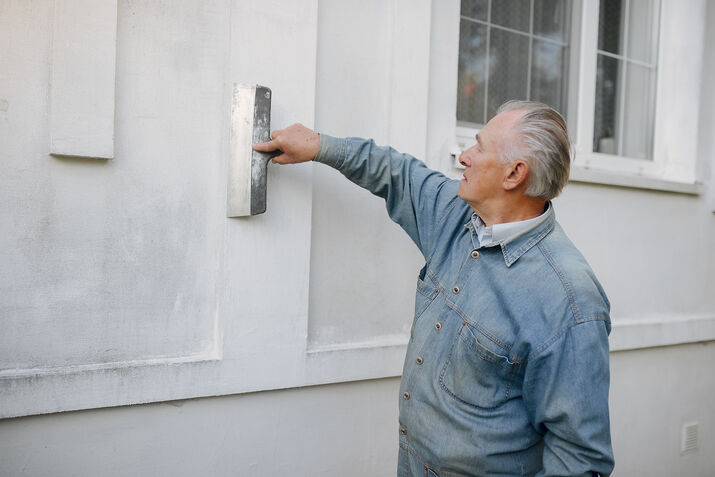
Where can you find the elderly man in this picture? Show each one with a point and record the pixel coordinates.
(506, 370)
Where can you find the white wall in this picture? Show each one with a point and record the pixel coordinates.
(125, 281)
(349, 224)
(122, 281)
(653, 393)
(345, 429)
(337, 430)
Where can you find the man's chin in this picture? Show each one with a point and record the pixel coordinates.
(462, 195)
(460, 191)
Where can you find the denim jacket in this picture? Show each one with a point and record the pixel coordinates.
(506, 371)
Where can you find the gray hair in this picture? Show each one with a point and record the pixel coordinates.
(540, 138)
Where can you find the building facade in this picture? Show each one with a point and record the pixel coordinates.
(144, 332)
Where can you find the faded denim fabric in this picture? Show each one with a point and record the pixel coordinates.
(506, 371)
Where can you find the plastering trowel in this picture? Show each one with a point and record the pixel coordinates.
(250, 123)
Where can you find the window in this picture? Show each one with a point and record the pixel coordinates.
(511, 49)
(624, 73)
(639, 66)
(626, 78)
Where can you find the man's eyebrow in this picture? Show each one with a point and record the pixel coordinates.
(476, 136)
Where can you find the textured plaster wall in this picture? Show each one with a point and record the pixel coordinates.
(346, 429)
(337, 430)
(653, 393)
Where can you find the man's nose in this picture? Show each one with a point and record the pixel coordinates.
(464, 159)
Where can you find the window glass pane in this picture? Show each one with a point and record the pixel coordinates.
(625, 86)
(606, 126)
(512, 14)
(610, 26)
(548, 74)
(472, 72)
(551, 19)
(641, 15)
(637, 120)
(476, 9)
(508, 68)
(511, 49)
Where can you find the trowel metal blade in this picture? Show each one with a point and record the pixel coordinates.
(250, 123)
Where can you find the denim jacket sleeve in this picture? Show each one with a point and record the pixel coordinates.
(417, 198)
(566, 396)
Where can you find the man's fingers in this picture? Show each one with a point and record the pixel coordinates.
(280, 159)
(266, 146)
(294, 144)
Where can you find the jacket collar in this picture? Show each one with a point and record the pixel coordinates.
(517, 245)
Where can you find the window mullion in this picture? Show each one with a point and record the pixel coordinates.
(531, 49)
(644, 64)
(653, 106)
(624, 73)
(486, 80)
(587, 75)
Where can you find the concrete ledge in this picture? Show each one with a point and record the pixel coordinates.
(49, 390)
(661, 330)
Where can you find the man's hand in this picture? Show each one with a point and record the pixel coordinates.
(297, 144)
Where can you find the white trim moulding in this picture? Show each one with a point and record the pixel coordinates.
(594, 176)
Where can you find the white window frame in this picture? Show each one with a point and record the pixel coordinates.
(675, 126)
(678, 85)
(585, 156)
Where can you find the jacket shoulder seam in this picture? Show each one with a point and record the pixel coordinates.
(438, 224)
(547, 344)
(564, 282)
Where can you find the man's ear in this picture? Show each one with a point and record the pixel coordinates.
(516, 175)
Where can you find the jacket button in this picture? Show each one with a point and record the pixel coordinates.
(403, 431)
(475, 253)
(455, 289)
(419, 360)
(438, 326)
(406, 395)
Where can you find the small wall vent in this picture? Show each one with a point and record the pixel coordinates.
(689, 442)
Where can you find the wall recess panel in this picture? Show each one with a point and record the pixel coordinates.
(82, 82)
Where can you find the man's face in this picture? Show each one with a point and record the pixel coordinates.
(485, 173)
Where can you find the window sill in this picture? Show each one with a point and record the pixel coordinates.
(594, 176)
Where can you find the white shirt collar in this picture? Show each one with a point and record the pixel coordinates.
(494, 234)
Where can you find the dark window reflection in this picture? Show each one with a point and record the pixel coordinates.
(548, 78)
(475, 9)
(507, 50)
(508, 67)
(551, 19)
(511, 14)
(472, 76)
(610, 25)
(606, 129)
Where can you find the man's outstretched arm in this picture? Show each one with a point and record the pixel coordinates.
(417, 198)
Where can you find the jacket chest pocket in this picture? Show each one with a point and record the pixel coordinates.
(427, 290)
(478, 372)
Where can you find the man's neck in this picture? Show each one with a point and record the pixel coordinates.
(502, 212)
